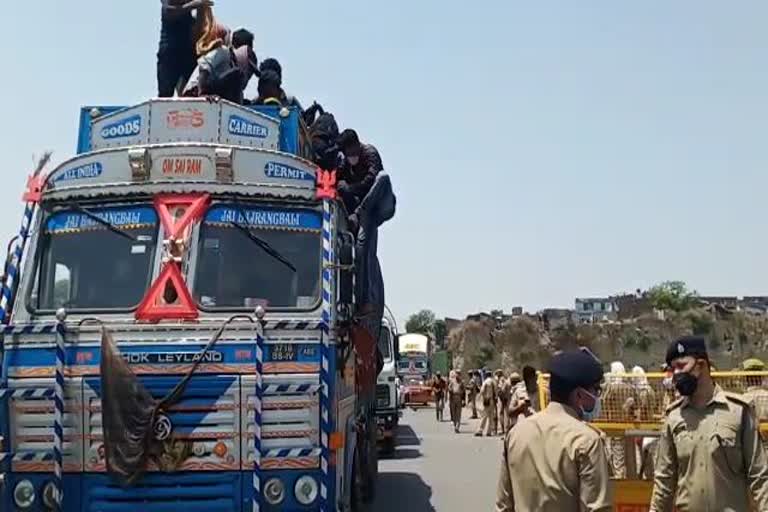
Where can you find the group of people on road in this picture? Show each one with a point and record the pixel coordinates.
(504, 398)
(451, 391)
(709, 455)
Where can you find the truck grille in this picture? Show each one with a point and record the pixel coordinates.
(191, 492)
(290, 424)
(208, 415)
(30, 403)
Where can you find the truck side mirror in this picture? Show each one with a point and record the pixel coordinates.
(396, 345)
(347, 270)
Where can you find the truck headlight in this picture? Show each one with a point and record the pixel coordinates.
(274, 491)
(306, 490)
(24, 494)
(49, 495)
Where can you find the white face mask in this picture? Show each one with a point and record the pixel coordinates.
(596, 410)
(353, 160)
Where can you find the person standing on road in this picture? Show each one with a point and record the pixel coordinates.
(525, 401)
(709, 456)
(505, 394)
(512, 403)
(438, 391)
(456, 394)
(554, 461)
(488, 395)
(474, 389)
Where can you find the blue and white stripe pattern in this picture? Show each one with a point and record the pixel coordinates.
(325, 377)
(272, 389)
(27, 393)
(293, 325)
(257, 416)
(282, 453)
(28, 457)
(58, 412)
(9, 286)
(28, 329)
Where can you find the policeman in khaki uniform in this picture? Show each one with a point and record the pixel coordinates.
(709, 456)
(553, 461)
(488, 393)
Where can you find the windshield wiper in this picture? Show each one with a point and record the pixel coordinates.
(95, 218)
(264, 245)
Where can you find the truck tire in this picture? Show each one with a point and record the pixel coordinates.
(358, 502)
(372, 466)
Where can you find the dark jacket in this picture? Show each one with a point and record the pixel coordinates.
(360, 178)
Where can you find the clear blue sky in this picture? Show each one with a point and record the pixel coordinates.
(540, 150)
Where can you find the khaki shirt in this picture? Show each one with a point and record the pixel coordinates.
(554, 462)
(488, 390)
(758, 396)
(710, 459)
(520, 394)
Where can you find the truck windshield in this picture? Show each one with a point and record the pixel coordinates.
(86, 265)
(385, 343)
(250, 256)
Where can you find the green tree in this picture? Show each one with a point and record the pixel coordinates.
(422, 322)
(672, 295)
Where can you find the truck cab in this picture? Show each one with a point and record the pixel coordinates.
(387, 392)
(196, 236)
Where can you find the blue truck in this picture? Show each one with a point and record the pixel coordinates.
(191, 249)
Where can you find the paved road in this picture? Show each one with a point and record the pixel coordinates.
(435, 469)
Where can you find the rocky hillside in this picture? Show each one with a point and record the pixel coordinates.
(732, 337)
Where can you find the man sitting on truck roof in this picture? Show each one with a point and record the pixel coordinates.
(363, 164)
(176, 52)
(270, 86)
(223, 72)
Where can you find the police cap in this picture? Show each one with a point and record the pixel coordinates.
(575, 369)
(695, 346)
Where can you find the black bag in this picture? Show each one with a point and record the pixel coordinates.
(324, 136)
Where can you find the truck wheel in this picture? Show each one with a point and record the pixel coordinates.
(372, 472)
(358, 503)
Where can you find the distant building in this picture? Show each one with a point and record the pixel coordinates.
(595, 310)
(517, 311)
(727, 302)
(632, 306)
(555, 318)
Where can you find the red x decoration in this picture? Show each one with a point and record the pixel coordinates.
(195, 204)
(169, 297)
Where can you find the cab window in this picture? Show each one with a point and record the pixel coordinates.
(250, 256)
(96, 258)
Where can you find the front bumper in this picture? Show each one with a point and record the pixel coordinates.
(160, 492)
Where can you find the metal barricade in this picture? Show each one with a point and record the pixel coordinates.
(632, 402)
(633, 410)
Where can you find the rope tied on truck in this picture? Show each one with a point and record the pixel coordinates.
(136, 428)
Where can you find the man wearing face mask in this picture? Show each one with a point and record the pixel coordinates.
(709, 455)
(553, 461)
(363, 164)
